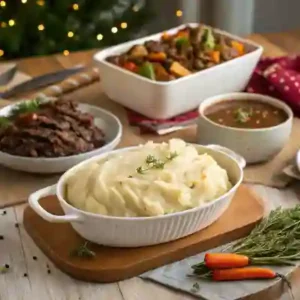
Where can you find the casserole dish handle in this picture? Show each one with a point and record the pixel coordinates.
(34, 199)
(240, 160)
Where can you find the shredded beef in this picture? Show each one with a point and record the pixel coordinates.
(57, 129)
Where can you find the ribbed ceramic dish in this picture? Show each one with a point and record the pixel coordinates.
(143, 231)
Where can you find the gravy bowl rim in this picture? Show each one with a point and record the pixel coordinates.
(62, 181)
(276, 103)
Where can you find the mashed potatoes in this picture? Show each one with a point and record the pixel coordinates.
(152, 180)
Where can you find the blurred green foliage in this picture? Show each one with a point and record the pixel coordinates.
(40, 27)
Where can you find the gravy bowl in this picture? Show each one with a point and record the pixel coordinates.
(254, 144)
(142, 231)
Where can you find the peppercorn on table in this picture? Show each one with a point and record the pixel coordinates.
(30, 275)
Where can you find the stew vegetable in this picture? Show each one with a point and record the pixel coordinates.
(246, 114)
(188, 51)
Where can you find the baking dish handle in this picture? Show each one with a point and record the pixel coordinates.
(34, 199)
(240, 160)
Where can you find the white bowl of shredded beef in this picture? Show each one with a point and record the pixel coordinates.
(52, 135)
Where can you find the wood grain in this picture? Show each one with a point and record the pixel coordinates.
(113, 264)
(270, 49)
(35, 66)
(82, 57)
(288, 42)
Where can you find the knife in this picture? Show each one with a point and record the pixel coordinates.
(41, 81)
(8, 75)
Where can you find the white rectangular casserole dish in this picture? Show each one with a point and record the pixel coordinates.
(162, 100)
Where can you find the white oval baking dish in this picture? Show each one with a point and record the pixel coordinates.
(106, 121)
(143, 231)
(162, 100)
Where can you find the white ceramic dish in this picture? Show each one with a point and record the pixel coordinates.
(163, 100)
(143, 231)
(105, 120)
(255, 145)
(298, 160)
(293, 169)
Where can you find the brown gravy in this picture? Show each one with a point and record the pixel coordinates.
(245, 114)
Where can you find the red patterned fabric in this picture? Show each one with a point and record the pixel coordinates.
(278, 77)
(153, 125)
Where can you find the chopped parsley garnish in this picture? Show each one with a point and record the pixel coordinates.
(4, 269)
(26, 107)
(83, 251)
(242, 115)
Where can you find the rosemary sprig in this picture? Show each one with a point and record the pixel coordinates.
(274, 241)
(83, 251)
(242, 115)
(26, 107)
(153, 163)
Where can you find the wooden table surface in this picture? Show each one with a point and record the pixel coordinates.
(29, 278)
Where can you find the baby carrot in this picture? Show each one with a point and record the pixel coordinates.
(159, 56)
(243, 273)
(225, 260)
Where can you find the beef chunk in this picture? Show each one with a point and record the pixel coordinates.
(155, 46)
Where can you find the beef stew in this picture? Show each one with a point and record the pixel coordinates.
(188, 51)
(249, 114)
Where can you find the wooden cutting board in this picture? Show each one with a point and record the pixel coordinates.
(114, 264)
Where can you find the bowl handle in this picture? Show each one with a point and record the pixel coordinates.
(240, 160)
(35, 205)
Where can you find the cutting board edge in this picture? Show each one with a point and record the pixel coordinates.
(143, 266)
